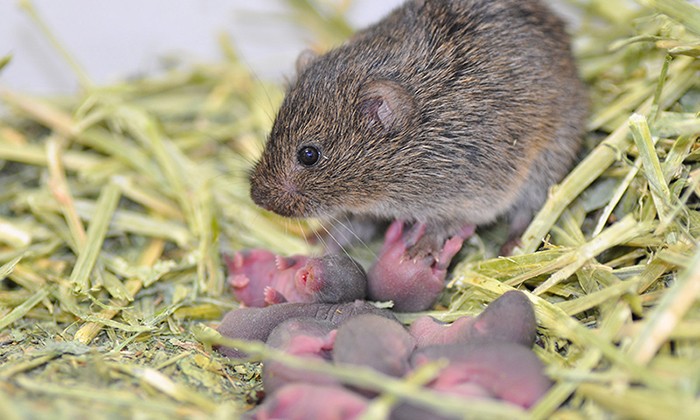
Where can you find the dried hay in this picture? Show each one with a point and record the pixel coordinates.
(114, 203)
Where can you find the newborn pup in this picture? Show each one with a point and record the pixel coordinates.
(510, 318)
(413, 284)
(374, 341)
(260, 278)
(303, 337)
(507, 371)
(256, 324)
(305, 401)
(446, 113)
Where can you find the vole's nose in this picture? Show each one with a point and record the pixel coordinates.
(259, 190)
(284, 199)
(262, 195)
(259, 199)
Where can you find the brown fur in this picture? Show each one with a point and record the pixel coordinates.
(447, 112)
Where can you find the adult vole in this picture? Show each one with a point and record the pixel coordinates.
(447, 112)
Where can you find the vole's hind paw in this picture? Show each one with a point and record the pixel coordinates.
(508, 247)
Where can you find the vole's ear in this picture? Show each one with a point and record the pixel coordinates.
(387, 103)
(305, 59)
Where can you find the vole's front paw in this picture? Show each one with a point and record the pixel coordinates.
(421, 243)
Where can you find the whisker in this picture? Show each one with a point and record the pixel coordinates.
(330, 235)
(303, 232)
(342, 247)
(269, 111)
(320, 239)
(346, 227)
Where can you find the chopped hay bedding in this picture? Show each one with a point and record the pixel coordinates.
(115, 204)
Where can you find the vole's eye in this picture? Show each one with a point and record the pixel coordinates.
(308, 155)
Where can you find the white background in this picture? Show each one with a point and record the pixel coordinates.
(113, 39)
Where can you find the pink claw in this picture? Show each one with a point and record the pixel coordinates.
(272, 296)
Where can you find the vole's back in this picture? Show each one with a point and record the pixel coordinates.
(484, 111)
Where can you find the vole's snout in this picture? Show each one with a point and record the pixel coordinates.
(282, 198)
(260, 196)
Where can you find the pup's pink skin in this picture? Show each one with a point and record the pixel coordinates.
(374, 341)
(306, 401)
(428, 331)
(304, 337)
(260, 278)
(412, 283)
(510, 318)
(507, 371)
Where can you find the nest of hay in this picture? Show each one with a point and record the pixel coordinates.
(114, 203)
